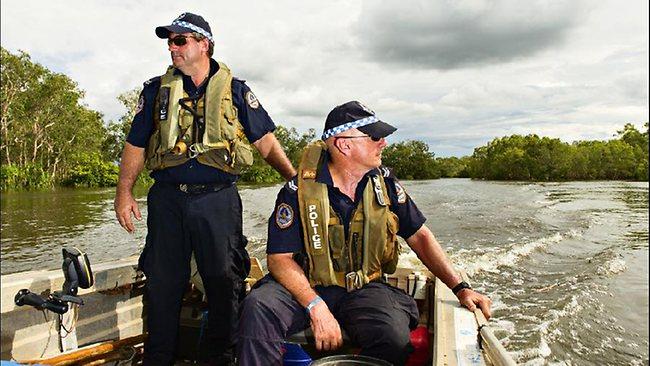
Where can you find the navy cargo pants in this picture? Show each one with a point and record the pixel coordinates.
(208, 223)
(377, 317)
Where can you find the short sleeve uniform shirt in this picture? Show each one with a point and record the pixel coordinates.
(253, 117)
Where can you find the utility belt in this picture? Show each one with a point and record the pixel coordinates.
(197, 188)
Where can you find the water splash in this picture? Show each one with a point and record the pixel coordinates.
(510, 254)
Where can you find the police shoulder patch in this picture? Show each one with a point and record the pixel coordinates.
(284, 216)
(401, 193)
(251, 100)
(140, 105)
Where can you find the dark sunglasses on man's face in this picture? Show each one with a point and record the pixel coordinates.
(375, 139)
(178, 40)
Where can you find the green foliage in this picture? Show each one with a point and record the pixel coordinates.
(411, 160)
(291, 142)
(260, 172)
(639, 143)
(453, 167)
(544, 159)
(29, 176)
(117, 131)
(144, 179)
(91, 170)
(43, 122)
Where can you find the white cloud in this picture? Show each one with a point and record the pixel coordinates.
(454, 74)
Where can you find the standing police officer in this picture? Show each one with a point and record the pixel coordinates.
(192, 130)
(331, 238)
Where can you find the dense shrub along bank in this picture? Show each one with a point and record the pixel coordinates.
(534, 158)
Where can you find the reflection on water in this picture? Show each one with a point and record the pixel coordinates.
(36, 225)
(566, 264)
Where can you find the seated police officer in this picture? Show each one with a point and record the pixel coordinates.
(331, 237)
(192, 129)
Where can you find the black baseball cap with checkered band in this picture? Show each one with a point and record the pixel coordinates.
(186, 23)
(354, 114)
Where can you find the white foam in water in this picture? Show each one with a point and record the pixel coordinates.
(544, 349)
(490, 262)
(504, 325)
(539, 355)
(614, 266)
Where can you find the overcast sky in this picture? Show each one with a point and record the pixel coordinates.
(455, 74)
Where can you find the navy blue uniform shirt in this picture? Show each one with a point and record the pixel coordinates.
(254, 119)
(285, 229)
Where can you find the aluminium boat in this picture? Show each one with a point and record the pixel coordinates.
(110, 325)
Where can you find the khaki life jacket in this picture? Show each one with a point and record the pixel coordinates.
(370, 249)
(206, 128)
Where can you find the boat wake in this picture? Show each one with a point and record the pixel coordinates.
(508, 255)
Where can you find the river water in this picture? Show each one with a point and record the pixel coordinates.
(566, 264)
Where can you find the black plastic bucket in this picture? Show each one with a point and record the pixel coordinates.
(350, 360)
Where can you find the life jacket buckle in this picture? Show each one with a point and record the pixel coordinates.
(193, 151)
(353, 281)
(379, 192)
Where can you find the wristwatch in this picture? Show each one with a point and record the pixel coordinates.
(460, 286)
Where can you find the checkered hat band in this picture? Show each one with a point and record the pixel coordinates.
(346, 126)
(194, 28)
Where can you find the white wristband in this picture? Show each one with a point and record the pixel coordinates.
(312, 304)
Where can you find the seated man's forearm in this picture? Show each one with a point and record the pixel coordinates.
(429, 251)
(290, 275)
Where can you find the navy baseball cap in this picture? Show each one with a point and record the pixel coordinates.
(355, 115)
(186, 23)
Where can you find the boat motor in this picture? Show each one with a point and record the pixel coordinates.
(77, 273)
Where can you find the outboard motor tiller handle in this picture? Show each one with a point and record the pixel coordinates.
(26, 297)
(77, 273)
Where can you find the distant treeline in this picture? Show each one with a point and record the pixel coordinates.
(49, 137)
(530, 158)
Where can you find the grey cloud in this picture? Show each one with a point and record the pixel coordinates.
(455, 34)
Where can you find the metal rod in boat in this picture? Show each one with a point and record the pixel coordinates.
(489, 342)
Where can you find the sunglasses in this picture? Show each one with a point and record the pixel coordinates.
(375, 139)
(178, 40)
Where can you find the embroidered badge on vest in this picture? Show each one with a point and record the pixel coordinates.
(251, 99)
(284, 216)
(308, 174)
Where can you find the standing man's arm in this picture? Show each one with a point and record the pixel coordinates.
(288, 273)
(427, 248)
(130, 167)
(270, 149)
